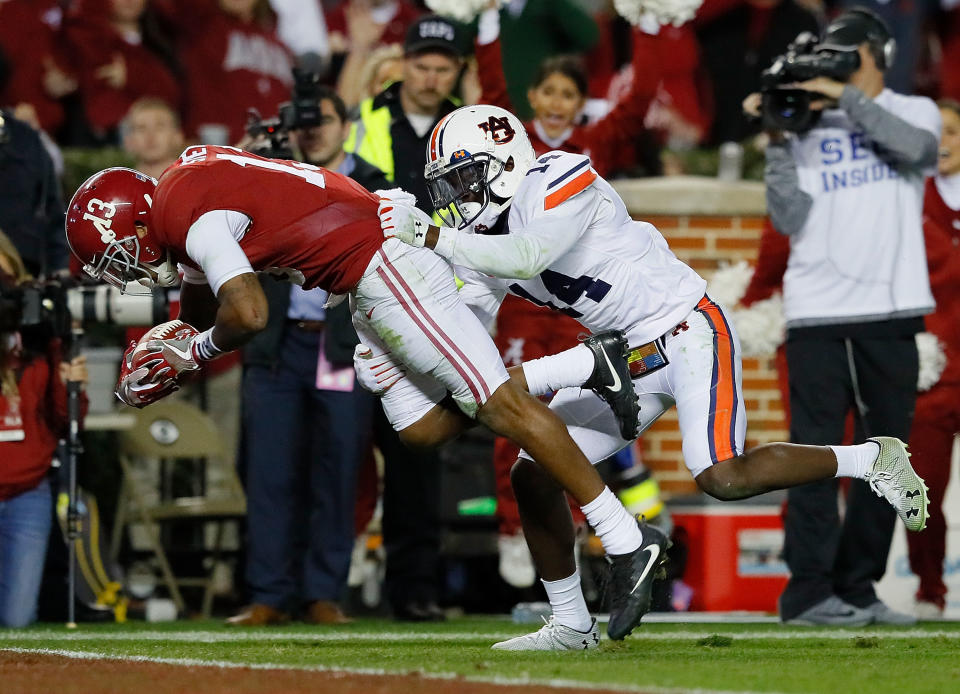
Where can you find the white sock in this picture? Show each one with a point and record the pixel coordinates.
(613, 524)
(564, 370)
(569, 606)
(854, 461)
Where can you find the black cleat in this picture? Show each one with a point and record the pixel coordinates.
(631, 581)
(611, 379)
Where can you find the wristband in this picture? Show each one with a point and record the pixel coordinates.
(446, 242)
(203, 347)
(420, 229)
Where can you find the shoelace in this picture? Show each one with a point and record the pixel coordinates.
(880, 482)
(548, 630)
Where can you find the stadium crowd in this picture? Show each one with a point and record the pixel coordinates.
(153, 76)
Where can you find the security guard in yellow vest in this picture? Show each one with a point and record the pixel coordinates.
(394, 126)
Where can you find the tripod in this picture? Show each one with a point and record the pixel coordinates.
(74, 450)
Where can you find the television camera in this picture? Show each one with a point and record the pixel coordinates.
(272, 135)
(785, 107)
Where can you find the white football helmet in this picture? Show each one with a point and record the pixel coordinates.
(476, 158)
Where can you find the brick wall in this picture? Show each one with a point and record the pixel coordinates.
(707, 223)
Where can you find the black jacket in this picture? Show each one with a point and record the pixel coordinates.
(409, 149)
(31, 208)
(340, 337)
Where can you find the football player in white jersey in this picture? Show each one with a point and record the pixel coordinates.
(552, 231)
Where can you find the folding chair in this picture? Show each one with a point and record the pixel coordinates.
(172, 433)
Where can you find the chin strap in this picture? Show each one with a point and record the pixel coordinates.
(167, 275)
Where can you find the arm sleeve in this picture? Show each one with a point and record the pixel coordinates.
(527, 251)
(772, 258)
(787, 205)
(213, 244)
(191, 276)
(902, 142)
(625, 120)
(493, 83)
(482, 295)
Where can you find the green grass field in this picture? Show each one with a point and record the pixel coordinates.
(658, 657)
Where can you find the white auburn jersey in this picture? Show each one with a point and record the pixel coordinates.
(572, 246)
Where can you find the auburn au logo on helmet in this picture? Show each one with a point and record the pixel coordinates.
(499, 128)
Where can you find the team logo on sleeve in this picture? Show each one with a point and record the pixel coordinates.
(499, 128)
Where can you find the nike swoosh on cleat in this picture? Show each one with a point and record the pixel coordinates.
(654, 553)
(616, 376)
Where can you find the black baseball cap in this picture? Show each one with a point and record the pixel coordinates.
(432, 33)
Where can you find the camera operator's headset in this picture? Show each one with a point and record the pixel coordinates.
(864, 25)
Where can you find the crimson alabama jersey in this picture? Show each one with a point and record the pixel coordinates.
(303, 218)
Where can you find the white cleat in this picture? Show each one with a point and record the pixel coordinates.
(892, 477)
(553, 637)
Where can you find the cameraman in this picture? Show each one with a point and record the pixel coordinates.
(849, 194)
(33, 416)
(304, 432)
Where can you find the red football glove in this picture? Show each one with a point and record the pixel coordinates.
(153, 367)
(134, 388)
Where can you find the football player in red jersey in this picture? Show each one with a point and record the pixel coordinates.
(221, 214)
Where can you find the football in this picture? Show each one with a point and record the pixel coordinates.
(171, 330)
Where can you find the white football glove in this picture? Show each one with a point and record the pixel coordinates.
(376, 373)
(397, 195)
(404, 222)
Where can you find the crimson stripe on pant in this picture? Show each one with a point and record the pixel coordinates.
(484, 388)
(479, 393)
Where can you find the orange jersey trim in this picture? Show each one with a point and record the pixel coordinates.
(569, 189)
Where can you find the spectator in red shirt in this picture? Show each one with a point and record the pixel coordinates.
(152, 135)
(33, 416)
(936, 420)
(233, 61)
(559, 92)
(120, 57)
(370, 49)
(28, 46)
(392, 16)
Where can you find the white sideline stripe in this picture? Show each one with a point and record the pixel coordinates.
(226, 664)
(231, 636)
(704, 618)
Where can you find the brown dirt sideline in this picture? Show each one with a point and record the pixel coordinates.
(33, 673)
